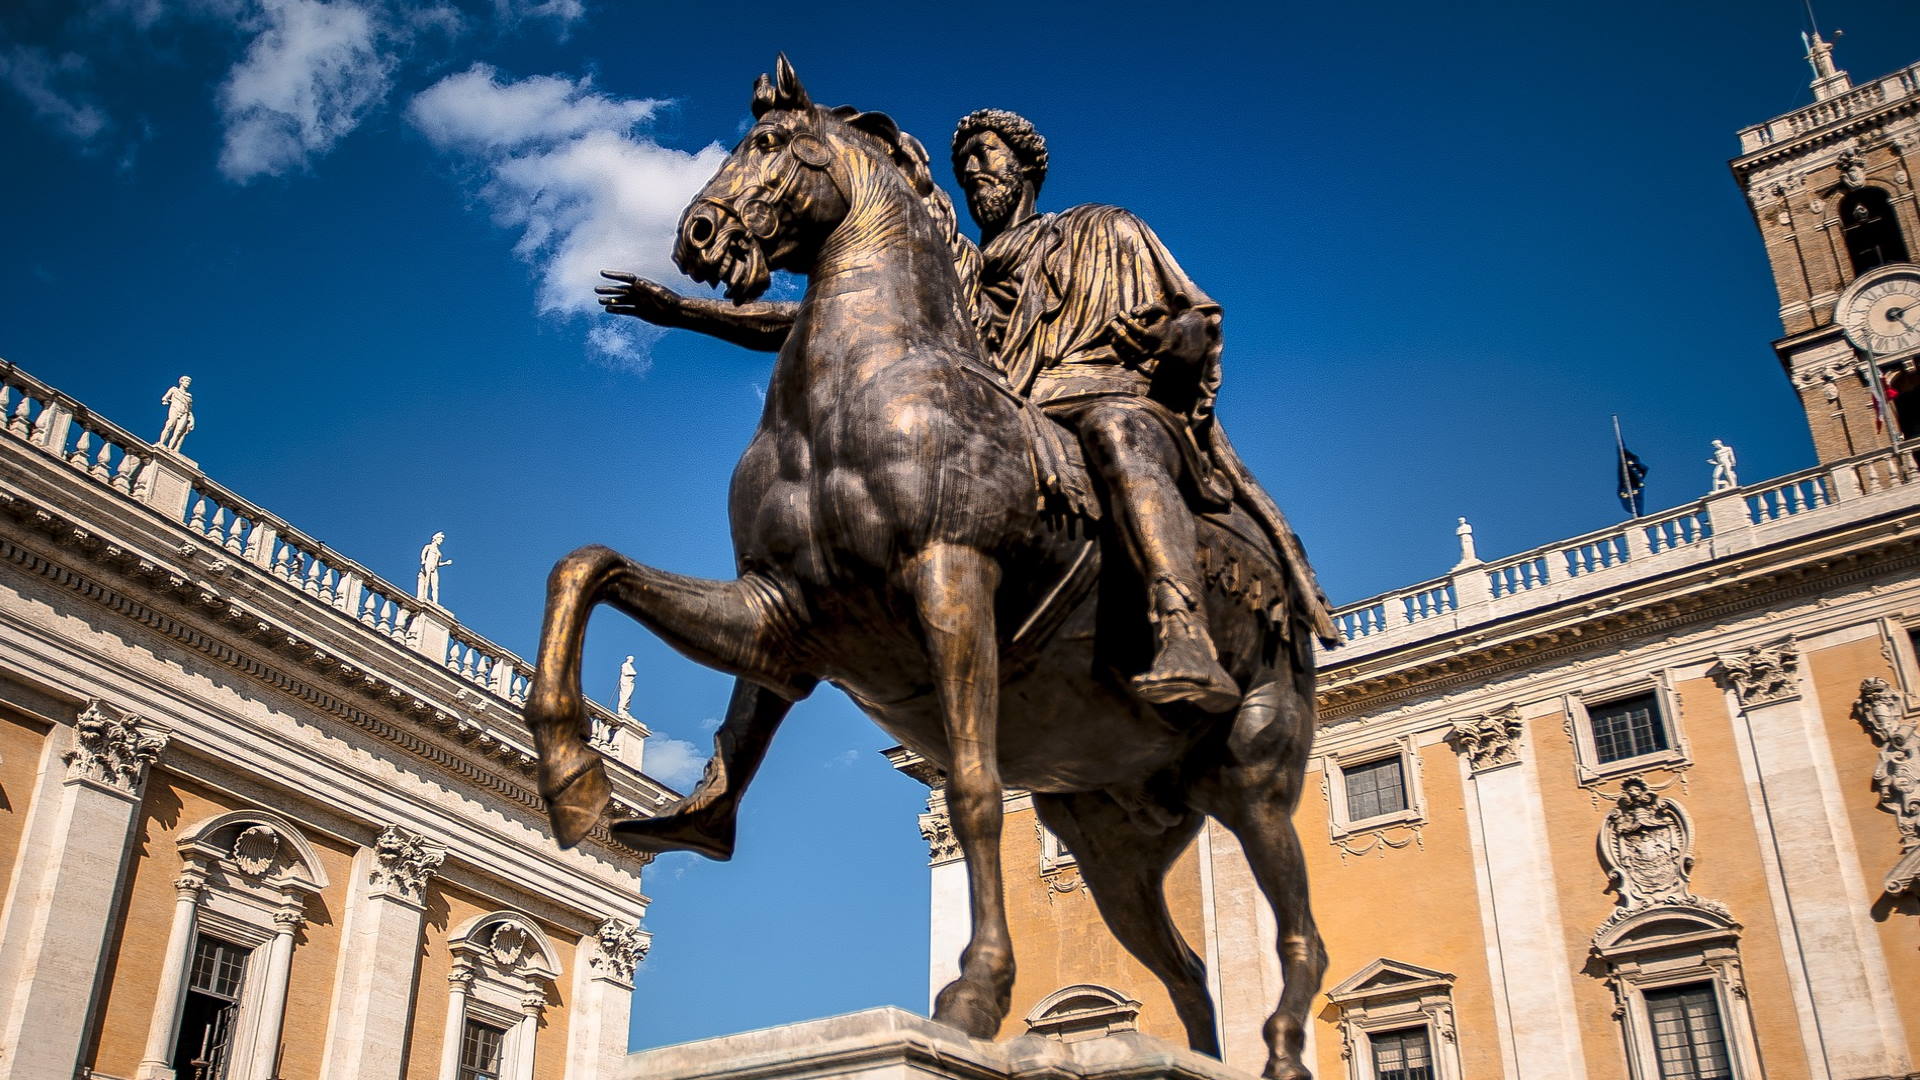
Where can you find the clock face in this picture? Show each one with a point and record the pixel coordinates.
(1884, 317)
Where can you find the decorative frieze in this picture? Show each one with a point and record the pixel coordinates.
(1488, 741)
(112, 748)
(1764, 674)
(1646, 847)
(622, 947)
(1896, 778)
(403, 863)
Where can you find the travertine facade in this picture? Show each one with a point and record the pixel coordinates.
(264, 813)
(1640, 804)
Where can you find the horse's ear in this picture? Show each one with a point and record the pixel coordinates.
(790, 94)
(762, 96)
(904, 149)
(877, 124)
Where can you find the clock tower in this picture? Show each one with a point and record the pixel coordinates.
(1832, 190)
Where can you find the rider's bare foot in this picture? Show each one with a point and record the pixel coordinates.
(708, 830)
(1185, 669)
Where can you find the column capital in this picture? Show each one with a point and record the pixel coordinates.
(191, 882)
(1763, 674)
(1490, 740)
(936, 828)
(460, 979)
(112, 749)
(403, 863)
(532, 1004)
(622, 947)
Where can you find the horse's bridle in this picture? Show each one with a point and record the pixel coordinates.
(761, 209)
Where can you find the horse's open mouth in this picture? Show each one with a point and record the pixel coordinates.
(743, 269)
(715, 249)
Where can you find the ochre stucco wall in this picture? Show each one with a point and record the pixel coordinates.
(449, 908)
(22, 742)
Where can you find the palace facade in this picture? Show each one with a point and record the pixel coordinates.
(264, 815)
(1640, 805)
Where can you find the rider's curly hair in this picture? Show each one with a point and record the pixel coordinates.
(1015, 130)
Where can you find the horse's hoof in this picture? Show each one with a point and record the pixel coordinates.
(707, 833)
(576, 808)
(964, 1007)
(1287, 1070)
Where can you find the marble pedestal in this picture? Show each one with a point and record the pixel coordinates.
(892, 1044)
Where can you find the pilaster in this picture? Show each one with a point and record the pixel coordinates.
(74, 856)
(1834, 957)
(602, 1000)
(1526, 947)
(373, 997)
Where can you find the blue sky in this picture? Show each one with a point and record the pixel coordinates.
(1450, 239)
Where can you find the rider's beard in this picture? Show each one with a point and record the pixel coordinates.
(991, 204)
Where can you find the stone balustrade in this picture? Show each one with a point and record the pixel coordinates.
(1898, 86)
(42, 417)
(1719, 525)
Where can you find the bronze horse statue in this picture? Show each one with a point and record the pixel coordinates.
(906, 528)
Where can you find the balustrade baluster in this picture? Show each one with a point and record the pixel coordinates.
(100, 469)
(20, 424)
(123, 476)
(81, 450)
(198, 521)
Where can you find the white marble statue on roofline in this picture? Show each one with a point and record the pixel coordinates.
(1723, 462)
(427, 585)
(179, 403)
(1467, 554)
(624, 704)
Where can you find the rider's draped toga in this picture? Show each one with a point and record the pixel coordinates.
(1049, 288)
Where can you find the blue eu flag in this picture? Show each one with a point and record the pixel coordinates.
(1633, 480)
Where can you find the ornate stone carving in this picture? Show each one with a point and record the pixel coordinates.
(1853, 168)
(1646, 846)
(509, 945)
(1488, 741)
(403, 862)
(937, 830)
(1896, 779)
(1764, 674)
(622, 947)
(111, 748)
(532, 1004)
(255, 849)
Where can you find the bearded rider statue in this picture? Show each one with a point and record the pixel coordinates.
(1086, 313)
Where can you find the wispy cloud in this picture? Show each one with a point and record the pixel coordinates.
(56, 89)
(313, 71)
(676, 763)
(564, 165)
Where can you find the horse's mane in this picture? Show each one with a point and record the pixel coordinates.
(910, 157)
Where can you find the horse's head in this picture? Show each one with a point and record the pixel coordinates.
(787, 185)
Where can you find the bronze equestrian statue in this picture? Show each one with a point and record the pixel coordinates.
(912, 528)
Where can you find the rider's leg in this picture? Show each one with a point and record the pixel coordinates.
(704, 820)
(1136, 457)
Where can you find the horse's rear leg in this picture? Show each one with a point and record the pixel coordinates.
(704, 820)
(1125, 865)
(735, 626)
(953, 590)
(1254, 794)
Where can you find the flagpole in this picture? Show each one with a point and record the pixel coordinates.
(1620, 445)
(1876, 381)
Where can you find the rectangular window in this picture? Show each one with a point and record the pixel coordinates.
(480, 1051)
(1402, 1055)
(213, 1000)
(1628, 728)
(1688, 1039)
(1376, 788)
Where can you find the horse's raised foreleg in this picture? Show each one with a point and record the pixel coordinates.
(1254, 793)
(953, 590)
(704, 820)
(1124, 864)
(735, 626)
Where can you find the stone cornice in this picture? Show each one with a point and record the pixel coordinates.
(318, 677)
(1712, 591)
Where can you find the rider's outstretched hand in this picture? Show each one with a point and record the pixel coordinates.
(643, 299)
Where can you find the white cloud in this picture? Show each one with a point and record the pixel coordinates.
(676, 763)
(36, 76)
(314, 69)
(563, 165)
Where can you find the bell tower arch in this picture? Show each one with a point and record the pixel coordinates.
(1831, 187)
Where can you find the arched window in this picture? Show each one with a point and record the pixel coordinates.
(1871, 230)
(503, 967)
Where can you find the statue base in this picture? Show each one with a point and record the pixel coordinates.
(893, 1044)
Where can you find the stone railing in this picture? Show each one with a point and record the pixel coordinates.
(43, 417)
(1719, 525)
(1898, 86)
